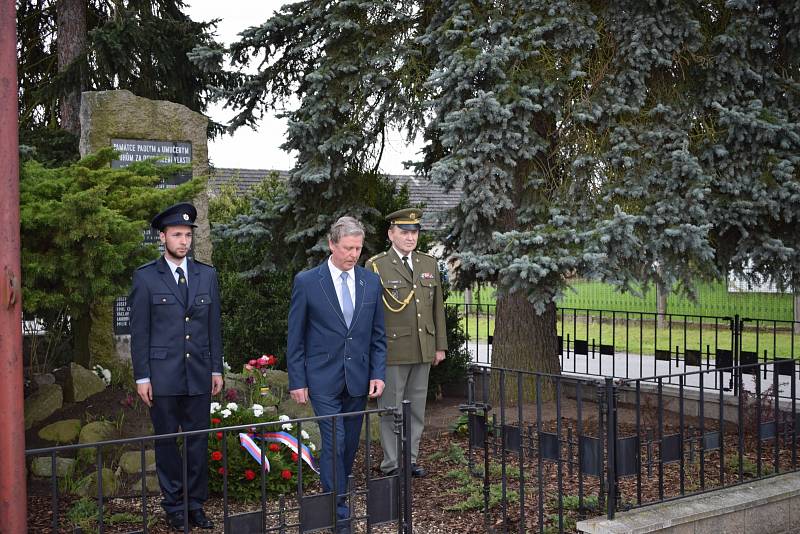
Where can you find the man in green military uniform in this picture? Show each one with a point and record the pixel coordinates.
(416, 334)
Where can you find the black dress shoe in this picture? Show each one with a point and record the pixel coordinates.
(175, 521)
(198, 519)
(417, 471)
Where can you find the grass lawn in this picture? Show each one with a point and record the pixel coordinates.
(644, 337)
(713, 299)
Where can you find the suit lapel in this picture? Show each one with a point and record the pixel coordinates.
(326, 283)
(360, 290)
(169, 279)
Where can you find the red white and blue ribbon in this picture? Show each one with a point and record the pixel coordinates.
(254, 450)
(290, 441)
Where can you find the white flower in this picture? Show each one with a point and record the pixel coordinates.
(232, 406)
(284, 418)
(225, 414)
(258, 410)
(312, 447)
(286, 426)
(304, 434)
(103, 374)
(215, 406)
(225, 366)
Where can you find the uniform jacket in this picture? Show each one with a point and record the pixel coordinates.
(322, 353)
(415, 333)
(177, 346)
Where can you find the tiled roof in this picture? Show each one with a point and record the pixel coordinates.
(420, 190)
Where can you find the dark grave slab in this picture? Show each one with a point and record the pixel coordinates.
(724, 358)
(591, 455)
(692, 357)
(671, 448)
(316, 512)
(627, 456)
(383, 499)
(747, 357)
(581, 347)
(548, 445)
(513, 438)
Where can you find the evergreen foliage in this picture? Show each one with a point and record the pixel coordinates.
(255, 302)
(139, 45)
(81, 228)
(631, 141)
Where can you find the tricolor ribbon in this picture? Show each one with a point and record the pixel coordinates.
(275, 437)
(254, 450)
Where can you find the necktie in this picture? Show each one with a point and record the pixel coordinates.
(183, 287)
(347, 301)
(405, 262)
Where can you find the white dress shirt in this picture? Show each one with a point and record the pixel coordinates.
(336, 276)
(400, 255)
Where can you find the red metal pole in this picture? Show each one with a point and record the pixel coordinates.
(13, 500)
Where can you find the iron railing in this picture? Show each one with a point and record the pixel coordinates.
(373, 500)
(579, 447)
(628, 345)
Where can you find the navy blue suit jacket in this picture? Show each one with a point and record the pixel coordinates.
(323, 354)
(176, 345)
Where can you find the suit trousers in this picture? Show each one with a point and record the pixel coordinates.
(403, 382)
(182, 413)
(337, 455)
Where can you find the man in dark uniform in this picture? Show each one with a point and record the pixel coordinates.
(416, 333)
(176, 348)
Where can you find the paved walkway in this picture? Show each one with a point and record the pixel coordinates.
(633, 366)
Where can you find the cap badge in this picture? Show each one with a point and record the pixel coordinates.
(185, 216)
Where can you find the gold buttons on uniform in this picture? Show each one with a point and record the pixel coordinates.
(420, 329)
(394, 335)
(419, 315)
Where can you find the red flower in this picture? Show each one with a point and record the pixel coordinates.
(274, 447)
(221, 470)
(216, 420)
(271, 360)
(219, 435)
(216, 456)
(249, 474)
(294, 456)
(286, 474)
(253, 362)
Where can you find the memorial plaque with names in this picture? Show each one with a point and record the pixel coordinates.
(166, 153)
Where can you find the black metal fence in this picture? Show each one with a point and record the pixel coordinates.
(627, 345)
(381, 500)
(582, 447)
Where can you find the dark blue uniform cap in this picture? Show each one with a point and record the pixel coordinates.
(183, 214)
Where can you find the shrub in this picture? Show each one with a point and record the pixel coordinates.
(243, 470)
(453, 370)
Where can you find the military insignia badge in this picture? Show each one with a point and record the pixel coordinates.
(185, 216)
(426, 276)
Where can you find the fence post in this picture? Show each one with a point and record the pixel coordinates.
(611, 436)
(407, 516)
(13, 514)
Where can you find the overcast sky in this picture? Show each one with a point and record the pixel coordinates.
(248, 149)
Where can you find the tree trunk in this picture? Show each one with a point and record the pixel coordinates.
(661, 305)
(81, 329)
(72, 36)
(527, 341)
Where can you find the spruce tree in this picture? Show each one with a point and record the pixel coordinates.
(632, 141)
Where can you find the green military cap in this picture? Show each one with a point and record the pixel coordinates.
(407, 219)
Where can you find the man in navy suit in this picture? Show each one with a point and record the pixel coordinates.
(336, 352)
(176, 348)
